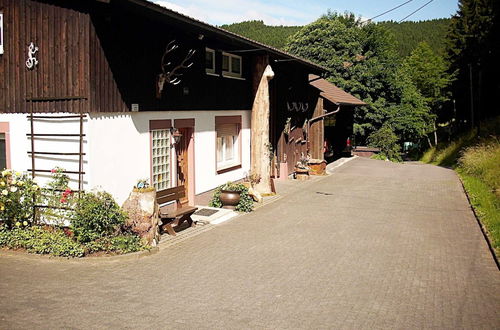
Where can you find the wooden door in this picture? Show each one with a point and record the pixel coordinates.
(182, 161)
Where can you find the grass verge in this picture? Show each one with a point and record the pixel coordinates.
(477, 162)
(486, 206)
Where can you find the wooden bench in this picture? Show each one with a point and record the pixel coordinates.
(174, 214)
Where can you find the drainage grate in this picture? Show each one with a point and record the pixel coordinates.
(205, 212)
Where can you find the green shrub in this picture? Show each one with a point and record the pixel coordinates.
(483, 161)
(125, 243)
(40, 240)
(96, 215)
(18, 193)
(387, 141)
(246, 201)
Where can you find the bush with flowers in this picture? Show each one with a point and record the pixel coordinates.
(95, 218)
(18, 194)
(58, 197)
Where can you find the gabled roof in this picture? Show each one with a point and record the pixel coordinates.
(233, 36)
(332, 93)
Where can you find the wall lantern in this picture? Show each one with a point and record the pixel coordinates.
(1, 33)
(176, 135)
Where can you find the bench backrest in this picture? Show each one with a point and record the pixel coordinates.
(171, 194)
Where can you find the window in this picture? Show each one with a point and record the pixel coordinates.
(160, 153)
(228, 142)
(3, 151)
(209, 60)
(231, 65)
(1, 33)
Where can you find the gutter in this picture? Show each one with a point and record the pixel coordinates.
(316, 119)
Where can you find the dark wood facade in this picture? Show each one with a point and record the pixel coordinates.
(98, 56)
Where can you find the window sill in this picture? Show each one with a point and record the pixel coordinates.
(232, 77)
(228, 169)
(212, 74)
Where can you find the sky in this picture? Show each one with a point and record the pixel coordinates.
(301, 12)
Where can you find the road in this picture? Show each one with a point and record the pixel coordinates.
(376, 245)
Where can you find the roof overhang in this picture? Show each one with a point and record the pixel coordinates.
(281, 55)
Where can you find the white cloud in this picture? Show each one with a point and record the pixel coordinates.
(232, 11)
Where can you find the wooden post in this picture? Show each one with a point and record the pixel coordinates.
(260, 144)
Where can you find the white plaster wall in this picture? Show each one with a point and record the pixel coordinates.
(20, 144)
(119, 152)
(117, 148)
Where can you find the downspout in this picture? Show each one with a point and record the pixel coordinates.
(315, 119)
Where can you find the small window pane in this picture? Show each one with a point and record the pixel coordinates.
(220, 150)
(161, 158)
(225, 63)
(236, 65)
(229, 147)
(209, 59)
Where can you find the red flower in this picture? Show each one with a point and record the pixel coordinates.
(63, 200)
(53, 170)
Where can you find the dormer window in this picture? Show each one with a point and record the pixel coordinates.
(209, 60)
(231, 65)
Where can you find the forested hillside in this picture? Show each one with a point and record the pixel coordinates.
(407, 34)
(275, 36)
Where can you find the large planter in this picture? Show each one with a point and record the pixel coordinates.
(317, 166)
(229, 199)
(142, 210)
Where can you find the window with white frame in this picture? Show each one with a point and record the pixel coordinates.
(227, 145)
(1, 33)
(209, 60)
(160, 158)
(231, 65)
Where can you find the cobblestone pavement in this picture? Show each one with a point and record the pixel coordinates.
(376, 245)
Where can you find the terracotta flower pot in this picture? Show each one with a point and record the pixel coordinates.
(229, 199)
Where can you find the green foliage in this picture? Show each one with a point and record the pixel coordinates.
(275, 36)
(473, 51)
(96, 215)
(18, 192)
(486, 205)
(361, 60)
(408, 35)
(246, 201)
(386, 140)
(125, 243)
(41, 241)
(483, 162)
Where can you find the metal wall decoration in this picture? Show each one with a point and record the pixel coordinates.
(31, 62)
(297, 106)
(171, 76)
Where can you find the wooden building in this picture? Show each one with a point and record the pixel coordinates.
(116, 91)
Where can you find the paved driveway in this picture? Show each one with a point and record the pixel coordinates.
(375, 246)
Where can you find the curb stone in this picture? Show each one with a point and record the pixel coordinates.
(46, 257)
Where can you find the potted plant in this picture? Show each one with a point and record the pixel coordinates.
(232, 196)
(302, 168)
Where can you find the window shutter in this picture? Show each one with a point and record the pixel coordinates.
(226, 130)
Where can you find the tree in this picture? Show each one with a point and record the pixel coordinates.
(428, 72)
(362, 61)
(473, 51)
